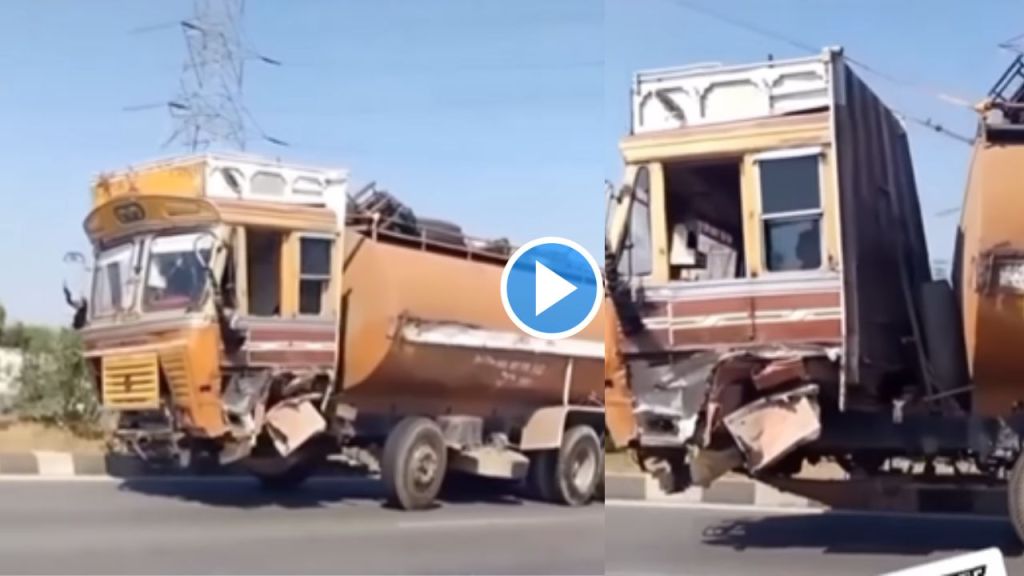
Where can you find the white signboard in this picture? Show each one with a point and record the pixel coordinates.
(987, 562)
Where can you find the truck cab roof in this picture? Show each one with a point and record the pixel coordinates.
(675, 98)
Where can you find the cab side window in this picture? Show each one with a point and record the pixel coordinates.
(314, 275)
(791, 213)
(263, 263)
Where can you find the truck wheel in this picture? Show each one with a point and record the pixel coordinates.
(281, 473)
(414, 463)
(289, 479)
(1015, 495)
(571, 477)
(542, 468)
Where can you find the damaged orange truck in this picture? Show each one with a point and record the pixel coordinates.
(772, 285)
(247, 311)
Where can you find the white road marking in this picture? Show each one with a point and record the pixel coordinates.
(784, 511)
(55, 463)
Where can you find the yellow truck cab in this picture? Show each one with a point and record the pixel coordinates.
(162, 266)
(254, 311)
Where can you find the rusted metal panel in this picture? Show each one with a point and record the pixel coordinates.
(292, 422)
(462, 364)
(882, 234)
(990, 241)
(293, 358)
(769, 428)
(386, 283)
(300, 342)
(779, 372)
(740, 318)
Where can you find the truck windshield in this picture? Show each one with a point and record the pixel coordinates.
(112, 281)
(175, 277)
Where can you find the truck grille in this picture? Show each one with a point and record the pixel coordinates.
(131, 382)
(175, 370)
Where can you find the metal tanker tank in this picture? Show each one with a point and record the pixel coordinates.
(425, 332)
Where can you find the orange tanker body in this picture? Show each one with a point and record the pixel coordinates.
(474, 359)
(257, 313)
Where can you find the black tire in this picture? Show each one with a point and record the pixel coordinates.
(1015, 497)
(289, 479)
(572, 476)
(538, 477)
(414, 463)
(280, 474)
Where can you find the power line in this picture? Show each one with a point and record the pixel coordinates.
(926, 122)
(1013, 44)
(749, 27)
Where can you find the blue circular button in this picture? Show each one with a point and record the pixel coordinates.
(551, 288)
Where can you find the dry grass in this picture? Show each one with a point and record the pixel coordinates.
(26, 436)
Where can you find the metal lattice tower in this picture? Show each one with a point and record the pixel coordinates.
(209, 110)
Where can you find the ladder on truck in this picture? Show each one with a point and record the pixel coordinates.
(1007, 98)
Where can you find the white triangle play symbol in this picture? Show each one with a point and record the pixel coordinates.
(550, 288)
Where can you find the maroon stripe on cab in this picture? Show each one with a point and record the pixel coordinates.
(824, 331)
(688, 338)
(806, 331)
(798, 301)
(728, 305)
(298, 357)
(318, 334)
(734, 304)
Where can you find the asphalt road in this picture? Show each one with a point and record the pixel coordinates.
(704, 541)
(162, 527)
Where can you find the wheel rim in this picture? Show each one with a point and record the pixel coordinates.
(423, 465)
(581, 469)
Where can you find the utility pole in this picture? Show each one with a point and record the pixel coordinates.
(209, 109)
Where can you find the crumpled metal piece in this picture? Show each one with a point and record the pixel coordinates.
(293, 421)
(771, 427)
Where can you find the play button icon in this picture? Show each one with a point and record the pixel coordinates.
(551, 288)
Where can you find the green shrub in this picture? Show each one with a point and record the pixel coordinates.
(54, 386)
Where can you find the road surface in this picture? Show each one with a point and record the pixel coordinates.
(716, 541)
(164, 527)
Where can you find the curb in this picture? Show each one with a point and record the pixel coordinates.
(52, 464)
(875, 494)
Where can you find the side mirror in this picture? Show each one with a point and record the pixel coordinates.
(77, 299)
(78, 257)
(78, 260)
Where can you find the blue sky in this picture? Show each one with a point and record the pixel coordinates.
(949, 46)
(484, 112)
(503, 116)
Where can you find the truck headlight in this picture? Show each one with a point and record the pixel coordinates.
(1009, 274)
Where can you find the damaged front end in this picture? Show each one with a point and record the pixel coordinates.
(746, 409)
(276, 420)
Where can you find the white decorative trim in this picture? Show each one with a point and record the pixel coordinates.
(741, 318)
(275, 346)
(788, 153)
